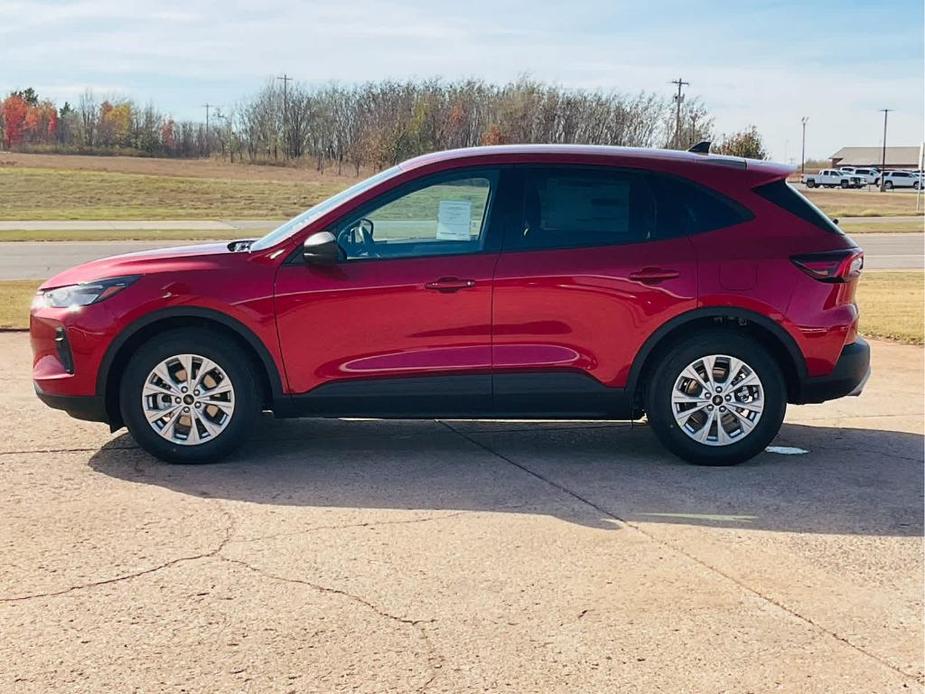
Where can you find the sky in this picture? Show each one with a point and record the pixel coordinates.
(763, 63)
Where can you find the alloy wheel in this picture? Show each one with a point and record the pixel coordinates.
(188, 399)
(717, 400)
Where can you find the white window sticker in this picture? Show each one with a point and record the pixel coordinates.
(454, 219)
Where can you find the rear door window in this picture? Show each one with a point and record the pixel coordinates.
(574, 207)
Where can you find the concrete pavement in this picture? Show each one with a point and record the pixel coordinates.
(41, 259)
(465, 556)
(892, 251)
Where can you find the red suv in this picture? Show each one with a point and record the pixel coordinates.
(518, 281)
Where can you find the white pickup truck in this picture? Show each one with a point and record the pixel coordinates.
(833, 178)
(868, 176)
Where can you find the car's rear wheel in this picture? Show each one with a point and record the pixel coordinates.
(189, 396)
(717, 398)
(844, 184)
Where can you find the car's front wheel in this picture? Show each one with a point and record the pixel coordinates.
(888, 185)
(189, 396)
(717, 398)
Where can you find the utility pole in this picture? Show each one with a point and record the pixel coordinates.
(286, 79)
(804, 120)
(207, 107)
(885, 111)
(678, 99)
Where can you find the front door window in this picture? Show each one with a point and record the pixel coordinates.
(445, 217)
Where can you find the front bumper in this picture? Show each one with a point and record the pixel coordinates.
(91, 408)
(847, 378)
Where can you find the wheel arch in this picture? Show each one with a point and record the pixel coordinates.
(781, 344)
(122, 348)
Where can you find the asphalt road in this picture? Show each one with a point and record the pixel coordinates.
(460, 556)
(41, 259)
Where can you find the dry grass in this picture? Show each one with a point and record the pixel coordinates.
(55, 194)
(188, 168)
(891, 305)
(901, 227)
(15, 299)
(862, 203)
(56, 186)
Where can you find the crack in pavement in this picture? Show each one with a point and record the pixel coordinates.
(680, 550)
(434, 659)
(229, 531)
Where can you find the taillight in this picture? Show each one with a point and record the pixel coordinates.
(832, 266)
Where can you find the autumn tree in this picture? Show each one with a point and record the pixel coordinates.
(14, 110)
(746, 143)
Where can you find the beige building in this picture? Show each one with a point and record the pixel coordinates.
(896, 157)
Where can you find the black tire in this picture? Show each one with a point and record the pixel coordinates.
(206, 343)
(915, 185)
(844, 184)
(888, 185)
(673, 362)
(810, 184)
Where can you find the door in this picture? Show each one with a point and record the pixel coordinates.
(591, 272)
(401, 324)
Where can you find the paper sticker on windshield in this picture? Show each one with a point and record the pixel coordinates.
(454, 219)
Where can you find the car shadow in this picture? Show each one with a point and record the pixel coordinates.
(850, 481)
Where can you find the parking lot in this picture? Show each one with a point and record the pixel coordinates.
(462, 556)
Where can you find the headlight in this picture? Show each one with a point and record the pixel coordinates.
(83, 294)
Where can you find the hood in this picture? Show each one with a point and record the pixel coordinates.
(200, 256)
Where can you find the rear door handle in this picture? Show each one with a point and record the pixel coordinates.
(450, 284)
(653, 275)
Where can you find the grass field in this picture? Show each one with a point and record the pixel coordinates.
(901, 227)
(60, 187)
(15, 299)
(54, 194)
(891, 305)
(862, 203)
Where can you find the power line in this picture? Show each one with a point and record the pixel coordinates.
(679, 97)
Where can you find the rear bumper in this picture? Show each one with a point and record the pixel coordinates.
(87, 407)
(847, 378)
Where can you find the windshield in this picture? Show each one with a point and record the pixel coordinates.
(284, 231)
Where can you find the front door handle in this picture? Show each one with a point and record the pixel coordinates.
(450, 284)
(653, 275)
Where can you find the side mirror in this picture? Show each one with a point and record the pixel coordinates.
(320, 249)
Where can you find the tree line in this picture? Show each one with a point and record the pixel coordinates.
(373, 125)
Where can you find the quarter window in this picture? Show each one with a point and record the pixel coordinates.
(683, 208)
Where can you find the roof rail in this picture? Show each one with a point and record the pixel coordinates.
(702, 147)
